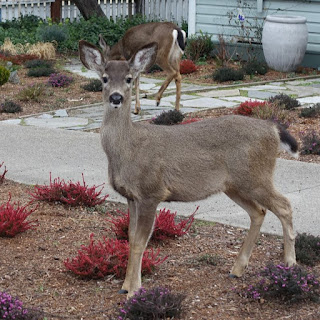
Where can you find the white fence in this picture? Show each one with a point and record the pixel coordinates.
(171, 10)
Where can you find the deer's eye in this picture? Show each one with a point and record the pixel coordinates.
(129, 80)
(105, 79)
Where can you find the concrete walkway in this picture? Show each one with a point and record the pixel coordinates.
(33, 148)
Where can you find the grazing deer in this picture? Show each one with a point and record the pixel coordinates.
(149, 164)
(171, 44)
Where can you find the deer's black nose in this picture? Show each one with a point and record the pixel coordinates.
(116, 98)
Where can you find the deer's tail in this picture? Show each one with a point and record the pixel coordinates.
(288, 142)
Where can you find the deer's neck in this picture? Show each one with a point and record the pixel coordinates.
(117, 132)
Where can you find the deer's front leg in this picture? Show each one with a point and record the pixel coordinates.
(142, 218)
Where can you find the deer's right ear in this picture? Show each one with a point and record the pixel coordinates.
(91, 57)
(105, 48)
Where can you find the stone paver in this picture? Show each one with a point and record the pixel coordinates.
(220, 93)
(208, 103)
(310, 100)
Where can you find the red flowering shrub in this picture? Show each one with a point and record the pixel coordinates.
(246, 108)
(13, 219)
(18, 59)
(2, 175)
(190, 120)
(165, 226)
(72, 194)
(187, 66)
(109, 256)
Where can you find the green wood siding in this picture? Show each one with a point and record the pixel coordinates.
(213, 16)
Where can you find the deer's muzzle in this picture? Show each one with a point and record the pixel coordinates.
(116, 99)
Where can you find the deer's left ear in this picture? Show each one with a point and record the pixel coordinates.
(143, 59)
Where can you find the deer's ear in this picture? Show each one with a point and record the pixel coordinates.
(143, 59)
(105, 48)
(91, 57)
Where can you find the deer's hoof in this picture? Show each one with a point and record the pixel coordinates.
(158, 102)
(123, 291)
(233, 276)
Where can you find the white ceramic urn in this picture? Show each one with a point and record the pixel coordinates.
(284, 42)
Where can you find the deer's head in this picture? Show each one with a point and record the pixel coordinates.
(116, 76)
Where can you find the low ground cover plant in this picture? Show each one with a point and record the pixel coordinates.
(59, 80)
(288, 102)
(13, 219)
(310, 142)
(255, 67)
(68, 193)
(288, 284)
(165, 226)
(311, 112)
(109, 256)
(42, 71)
(187, 66)
(228, 74)
(34, 92)
(2, 172)
(4, 75)
(94, 85)
(37, 63)
(168, 118)
(10, 107)
(156, 303)
(12, 309)
(307, 249)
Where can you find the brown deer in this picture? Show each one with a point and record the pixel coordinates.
(149, 164)
(171, 44)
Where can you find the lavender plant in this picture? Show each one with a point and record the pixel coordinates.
(310, 142)
(156, 303)
(59, 80)
(290, 284)
(12, 309)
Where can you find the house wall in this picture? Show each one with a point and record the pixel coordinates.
(221, 17)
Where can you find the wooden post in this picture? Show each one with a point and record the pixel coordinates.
(56, 10)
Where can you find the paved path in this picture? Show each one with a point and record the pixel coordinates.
(32, 150)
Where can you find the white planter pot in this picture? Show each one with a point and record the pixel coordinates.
(284, 42)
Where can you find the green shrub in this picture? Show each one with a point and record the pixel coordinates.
(310, 112)
(10, 107)
(4, 75)
(53, 32)
(255, 67)
(154, 68)
(168, 118)
(94, 85)
(32, 93)
(37, 63)
(307, 249)
(157, 303)
(40, 72)
(228, 74)
(285, 100)
(199, 47)
(271, 111)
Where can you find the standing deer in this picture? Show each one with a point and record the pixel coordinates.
(171, 44)
(149, 164)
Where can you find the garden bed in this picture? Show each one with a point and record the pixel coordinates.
(197, 266)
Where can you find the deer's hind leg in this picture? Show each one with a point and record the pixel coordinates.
(257, 215)
(280, 206)
(142, 216)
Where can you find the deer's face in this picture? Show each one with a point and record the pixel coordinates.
(117, 81)
(116, 76)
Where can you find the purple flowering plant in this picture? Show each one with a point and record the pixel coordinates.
(59, 80)
(290, 284)
(12, 309)
(155, 303)
(310, 142)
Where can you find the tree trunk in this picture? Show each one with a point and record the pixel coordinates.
(89, 8)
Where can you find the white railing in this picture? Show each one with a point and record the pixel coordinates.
(170, 10)
(14, 9)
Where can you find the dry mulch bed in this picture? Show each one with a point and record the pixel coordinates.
(31, 265)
